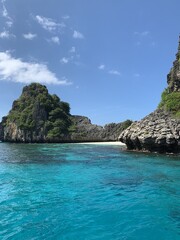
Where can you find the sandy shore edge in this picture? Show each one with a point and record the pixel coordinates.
(104, 143)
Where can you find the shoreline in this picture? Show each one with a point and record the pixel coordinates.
(117, 143)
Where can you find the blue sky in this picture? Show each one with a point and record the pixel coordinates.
(107, 58)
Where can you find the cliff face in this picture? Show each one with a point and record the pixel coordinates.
(1, 132)
(157, 132)
(38, 116)
(2, 128)
(173, 78)
(160, 130)
(85, 131)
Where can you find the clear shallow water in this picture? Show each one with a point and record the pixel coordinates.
(87, 192)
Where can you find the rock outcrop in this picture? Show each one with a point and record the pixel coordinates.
(160, 130)
(112, 130)
(85, 131)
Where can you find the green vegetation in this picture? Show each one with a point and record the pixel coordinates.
(126, 124)
(170, 101)
(36, 110)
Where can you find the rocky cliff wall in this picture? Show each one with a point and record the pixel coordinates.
(1, 132)
(82, 131)
(157, 132)
(160, 130)
(85, 131)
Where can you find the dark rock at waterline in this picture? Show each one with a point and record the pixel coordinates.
(157, 132)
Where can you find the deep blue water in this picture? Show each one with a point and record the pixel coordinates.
(87, 192)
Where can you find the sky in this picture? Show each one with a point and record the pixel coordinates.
(108, 58)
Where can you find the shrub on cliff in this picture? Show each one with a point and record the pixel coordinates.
(170, 101)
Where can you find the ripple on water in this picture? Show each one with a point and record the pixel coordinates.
(71, 191)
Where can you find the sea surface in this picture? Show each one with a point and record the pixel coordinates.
(87, 192)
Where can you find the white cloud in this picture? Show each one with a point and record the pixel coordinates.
(9, 23)
(5, 14)
(64, 60)
(115, 72)
(29, 36)
(16, 70)
(78, 35)
(55, 40)
(6, 34)
(48, 23)
(72, 50)
(101, 67)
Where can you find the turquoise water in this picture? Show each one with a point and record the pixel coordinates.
(87, 192)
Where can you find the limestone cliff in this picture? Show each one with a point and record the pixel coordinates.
(84, 130)
(157, 132)
(173, 78)
(38, 116)
(160, 130)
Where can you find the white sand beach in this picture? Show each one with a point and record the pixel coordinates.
(117, 143)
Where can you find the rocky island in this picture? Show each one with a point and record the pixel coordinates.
(38, 117)
(160, 130)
